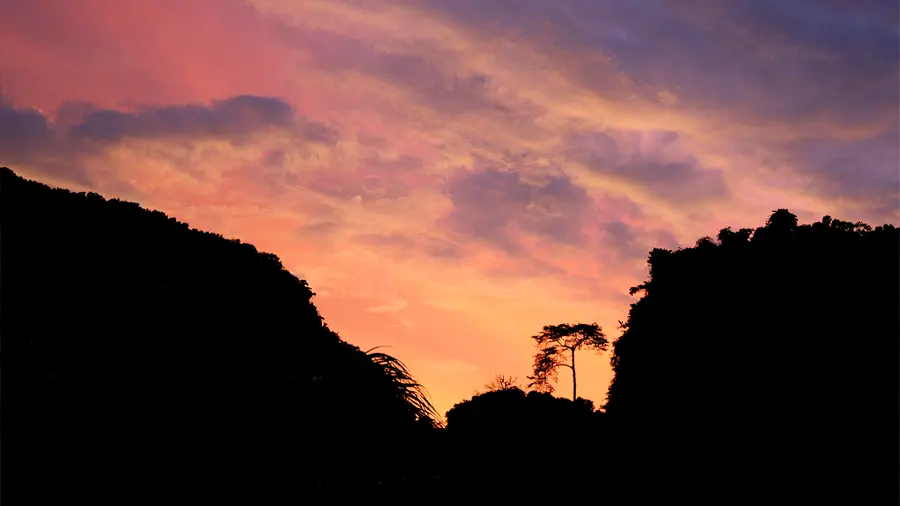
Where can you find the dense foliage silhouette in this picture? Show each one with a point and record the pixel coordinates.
(141, 355)
(766, 362)
(503, 440)
(143, 358)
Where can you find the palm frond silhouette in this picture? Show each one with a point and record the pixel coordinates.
(406, 387)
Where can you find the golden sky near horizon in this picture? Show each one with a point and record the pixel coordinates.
(451, 175)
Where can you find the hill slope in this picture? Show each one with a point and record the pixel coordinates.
(139, 351)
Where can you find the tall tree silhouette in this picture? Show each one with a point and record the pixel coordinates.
(557, 345)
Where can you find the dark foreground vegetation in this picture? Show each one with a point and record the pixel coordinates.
(143, 359)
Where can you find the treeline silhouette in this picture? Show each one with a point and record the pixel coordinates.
(142, 357)
(765, 363)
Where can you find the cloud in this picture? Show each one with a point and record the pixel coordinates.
(80, 131)
(426, 74)
(489, 203)
(231, 118)
(862, 171)
(391, 241)
(372, 178)
(842, 56)
(23, 132)
(629, 243)
(829, 60)
(621, 238)
(445, 92)
(27, 139)
(652, 161)
(589, 131)
(274, 158)
(393, 306)
(402, 246)
(442, 249)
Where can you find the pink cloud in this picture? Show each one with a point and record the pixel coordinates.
(386, 151)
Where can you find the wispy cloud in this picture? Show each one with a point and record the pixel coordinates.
(501, 165)
(390, 307)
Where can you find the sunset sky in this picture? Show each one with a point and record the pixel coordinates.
(452, 175)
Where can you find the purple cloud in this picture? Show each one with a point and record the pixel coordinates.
(768, 59)
(620, 237)
(487, 202)
(863, 170)
(230, 118)
(629, 243)
(28, 136)
(22, 132)
(649, 160)
(427, 73)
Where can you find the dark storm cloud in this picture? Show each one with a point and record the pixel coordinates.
(650, 161)
(487, 202)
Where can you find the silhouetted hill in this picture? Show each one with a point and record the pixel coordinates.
(766, 364)
(142, 356)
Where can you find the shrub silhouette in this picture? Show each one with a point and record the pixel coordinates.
(766, 362)
(500, 440)
(500, 382)
(142, 355)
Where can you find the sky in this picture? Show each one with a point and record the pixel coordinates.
(452, 175)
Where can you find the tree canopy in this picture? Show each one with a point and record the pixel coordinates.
(775, 345)
(557, 345)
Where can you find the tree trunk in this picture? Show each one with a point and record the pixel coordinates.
(574, 384)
